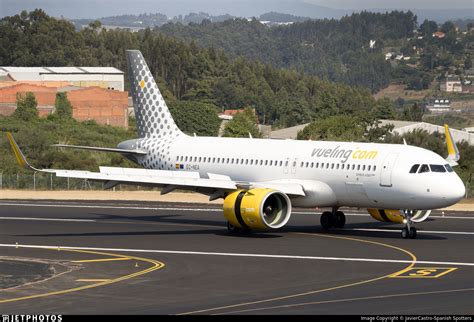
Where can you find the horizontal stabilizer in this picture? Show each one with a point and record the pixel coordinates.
(93, 148)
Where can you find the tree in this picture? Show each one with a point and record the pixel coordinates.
(413, 113)
(334, 128)
(428, 27)
(26, 107)
(242, 124)
(195, 117)
(468, 63)
(384, 110)
(63, 106)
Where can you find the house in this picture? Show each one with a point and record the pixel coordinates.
(439, 105)
(452, 84)
(439, 35)
(388, 56)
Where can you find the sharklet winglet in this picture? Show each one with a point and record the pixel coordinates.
(20, 157)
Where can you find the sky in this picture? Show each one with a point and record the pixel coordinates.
(404, 4)
(247, 8)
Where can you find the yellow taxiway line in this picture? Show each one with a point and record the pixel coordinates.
(155, 266)
(412, 264)
(102, 260)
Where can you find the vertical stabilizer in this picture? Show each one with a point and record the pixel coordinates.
(151, 113)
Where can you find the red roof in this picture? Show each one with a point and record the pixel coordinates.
(233, 112)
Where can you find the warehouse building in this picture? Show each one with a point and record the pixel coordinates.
(95, 93)
(104, 77)
(104, 106)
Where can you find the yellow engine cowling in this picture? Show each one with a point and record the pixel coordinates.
(387, 215)
(257, 209)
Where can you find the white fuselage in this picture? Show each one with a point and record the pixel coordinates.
(332, 173)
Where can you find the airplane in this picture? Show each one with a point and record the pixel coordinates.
(261, 180)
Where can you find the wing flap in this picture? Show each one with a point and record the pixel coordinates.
(158, 178)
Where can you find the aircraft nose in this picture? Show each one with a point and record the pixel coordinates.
(456, 190)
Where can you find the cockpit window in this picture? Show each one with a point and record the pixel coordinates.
(424, 168)
(448, 167)
(414, 168)
(437, 168)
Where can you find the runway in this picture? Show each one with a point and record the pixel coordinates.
(96, 257)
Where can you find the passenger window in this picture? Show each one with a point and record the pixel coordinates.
(424, 168)
(327, 165)
(353, 167)
(281, 163)
(368, 168)
(246, 161)
(358, 167)
(317, 165)
(342, 166)
(286, 163)
(375, 167)
(332, 165)
(437, 168)
(363, 167)
(414, 168)
(448, 167)
(199, 159)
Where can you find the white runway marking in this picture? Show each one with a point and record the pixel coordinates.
(419, 231)
(316, 212)
(47, 219)
(179, 252)
(158, 223)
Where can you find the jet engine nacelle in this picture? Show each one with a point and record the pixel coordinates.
(257, 209)
(387, 215)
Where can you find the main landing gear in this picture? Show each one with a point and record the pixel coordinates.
(335, 219)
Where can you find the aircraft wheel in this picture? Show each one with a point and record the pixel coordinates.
(340, 219)
(232, 229)
(412, 233)
(327, 220)
(404, 233)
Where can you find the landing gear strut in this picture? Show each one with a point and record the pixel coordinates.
(332, 219)
(409, 231)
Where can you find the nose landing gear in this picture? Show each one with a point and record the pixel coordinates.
(412, 217)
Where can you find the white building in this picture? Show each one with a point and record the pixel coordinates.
(439, 105)
(105, 77)
(452, 84)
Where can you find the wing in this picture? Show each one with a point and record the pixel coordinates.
(214, 185)
(93, 148)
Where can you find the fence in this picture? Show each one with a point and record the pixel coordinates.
(48, 181)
